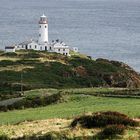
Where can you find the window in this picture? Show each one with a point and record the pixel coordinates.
(46, 48)
(39, 34)
(40, 26)
(59, 50)
(40, 48)
(45, 26)
(30, 46)
(35, 46)
(26, 47)
(50, 48)
(63, 49)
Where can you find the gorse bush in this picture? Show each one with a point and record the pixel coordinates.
(102, 119)
(111, 130)
(111, 113)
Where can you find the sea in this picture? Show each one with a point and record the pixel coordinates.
(107, 29)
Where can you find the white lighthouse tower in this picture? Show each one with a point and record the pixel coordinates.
(43, 30)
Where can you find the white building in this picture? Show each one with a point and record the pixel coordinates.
(75, 49)
(60, 47)
(10, 49)
(43, 30)
(42, 44)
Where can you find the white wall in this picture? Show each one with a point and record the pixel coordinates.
(33, 46)
(10, 50)
(43, 33)
(20, 47)
(75, 49)
(64, 51)
(58, 48)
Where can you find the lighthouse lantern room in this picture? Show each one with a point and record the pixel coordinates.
(43, 29)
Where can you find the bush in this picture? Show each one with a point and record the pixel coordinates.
(102, 119)
(5, 63)
(36, 101)
(9, 54)
(111, 113)
(4, 137)
(111, 130)
(32, 55)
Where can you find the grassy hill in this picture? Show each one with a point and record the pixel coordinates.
(33, 69)
(52, 122)
(60, 90)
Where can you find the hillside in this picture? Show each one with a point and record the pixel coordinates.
(33, 69)
(80, 114)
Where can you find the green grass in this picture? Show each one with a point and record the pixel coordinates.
(77, 104)
(40, 92)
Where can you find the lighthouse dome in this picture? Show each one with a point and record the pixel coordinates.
(43, 19)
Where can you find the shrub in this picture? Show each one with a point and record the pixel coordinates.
(32, 55)
(3, 108)
(112, 130)
(111, 113)
(102, 119)
(9, 54)
(36, 101)
(5, 63)
(4, 137)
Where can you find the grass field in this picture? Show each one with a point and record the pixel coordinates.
(74, 105)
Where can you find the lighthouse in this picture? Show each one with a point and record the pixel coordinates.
(42, 44)
(43, 30)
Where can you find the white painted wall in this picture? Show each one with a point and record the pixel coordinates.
(10, 50)
(33, 46)
(61, 48)
(20, 47)
(43, 29)
(64, 51)
(75, 49)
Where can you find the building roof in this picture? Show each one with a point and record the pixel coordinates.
(44, 43)
(28, 42)
(43, 16)
(43, 20)
(60, 45)
(9, 47)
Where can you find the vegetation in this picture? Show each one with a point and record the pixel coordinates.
(43, 97)
(73, 104)
(33, 69)
(112, 130)
(102, 119)
(54, 129)
(32, 101)
(42, 85)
